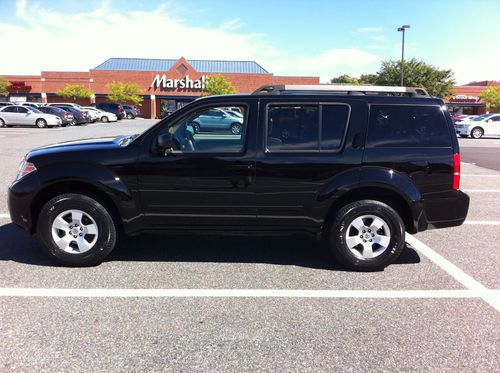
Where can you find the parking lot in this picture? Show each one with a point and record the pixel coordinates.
(247, 303)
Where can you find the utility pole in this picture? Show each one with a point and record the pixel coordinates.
(402, 30)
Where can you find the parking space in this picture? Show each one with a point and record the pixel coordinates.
(245, 302)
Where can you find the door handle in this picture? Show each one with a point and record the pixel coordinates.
(357, 141)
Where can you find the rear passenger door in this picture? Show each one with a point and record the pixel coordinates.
(304, 145)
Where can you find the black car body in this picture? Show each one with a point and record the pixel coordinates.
(110, 107)
(301, 160)
(79, 116)
(66, 117)
(131, 112)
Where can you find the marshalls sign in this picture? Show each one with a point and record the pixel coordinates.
(161, 81)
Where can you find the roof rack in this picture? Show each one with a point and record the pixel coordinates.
(280, 89)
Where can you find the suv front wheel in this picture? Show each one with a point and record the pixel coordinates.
(366, 236)
(76, 230)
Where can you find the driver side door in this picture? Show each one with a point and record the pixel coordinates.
(207, 179)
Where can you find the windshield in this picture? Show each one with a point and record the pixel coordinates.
(481, 117)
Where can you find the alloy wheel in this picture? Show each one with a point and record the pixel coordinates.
(74, 231)
(368, 236)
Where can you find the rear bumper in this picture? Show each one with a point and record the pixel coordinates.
(448, 211)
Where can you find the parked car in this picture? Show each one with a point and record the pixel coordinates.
(110, 107)
(66, 117)
(79, 116)
(464, 118)
(6, 104)
(59, 104)
(103, 116)
(89, 118)
(131, 112)
(317, 160)
(35, 105)
(482, 125)
(218, 119)
(17, 115)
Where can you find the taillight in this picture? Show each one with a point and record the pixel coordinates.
(456, 171)
(120, 111)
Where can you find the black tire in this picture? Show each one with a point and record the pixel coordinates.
(41, 123)
(236, 128)
(2, 123)
(130, 116)
(337, 232)
(477, 133)
(104, 119)
(73, 123)
(463, 136)
(106, 239)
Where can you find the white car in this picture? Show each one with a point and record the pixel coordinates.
(101, 115)
(482, 125)
(76, 106)
(17, 115)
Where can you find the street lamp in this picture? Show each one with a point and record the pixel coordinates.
(402, 29)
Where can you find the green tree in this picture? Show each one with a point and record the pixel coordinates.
(437, 82)
(4, 84)
(345, 79)
(369, 79)
(74, 91)
(218, 85)
(125, 93)
(492, 97)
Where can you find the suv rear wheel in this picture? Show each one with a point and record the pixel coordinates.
(366, 236)
(76, 230)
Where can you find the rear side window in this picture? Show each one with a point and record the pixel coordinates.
(407, 126)
(308, 127)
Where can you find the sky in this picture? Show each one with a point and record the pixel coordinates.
(323, 38)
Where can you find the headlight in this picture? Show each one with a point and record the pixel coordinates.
(25, 168)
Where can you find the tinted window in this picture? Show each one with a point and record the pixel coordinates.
(207, 130)
(292, 127)
(333, 123)
(21, 109)
(496, 119)
(11, 109)
(407, 126)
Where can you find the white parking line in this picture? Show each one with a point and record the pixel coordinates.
(482, 222)
(490, 297)
(236, 293)
(481, 190)
(480, 175)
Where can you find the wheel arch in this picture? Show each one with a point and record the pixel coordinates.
(76, 187)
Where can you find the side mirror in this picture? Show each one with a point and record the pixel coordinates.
(165, 143)
(490, 120)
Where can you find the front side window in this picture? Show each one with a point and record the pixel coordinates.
(407, 126)
(210, 130)
(22, 110)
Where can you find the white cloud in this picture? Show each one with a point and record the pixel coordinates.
(368, 29)
(59, 41)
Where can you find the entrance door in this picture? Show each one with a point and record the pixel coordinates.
(207, 179)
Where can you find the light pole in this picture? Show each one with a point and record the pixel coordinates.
(402, 29)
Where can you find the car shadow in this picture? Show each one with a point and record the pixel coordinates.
(294, 249)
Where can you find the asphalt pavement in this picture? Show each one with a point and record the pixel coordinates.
(253, 303)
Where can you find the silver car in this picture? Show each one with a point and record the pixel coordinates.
(17, 115)
(217, 119)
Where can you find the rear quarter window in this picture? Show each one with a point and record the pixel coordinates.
(407, 126)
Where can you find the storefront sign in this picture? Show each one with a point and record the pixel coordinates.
(464, 98)
(161, 81)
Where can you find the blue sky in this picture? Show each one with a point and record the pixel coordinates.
(318, 38)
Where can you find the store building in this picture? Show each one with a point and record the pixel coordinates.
(467, 99)
(167, 84)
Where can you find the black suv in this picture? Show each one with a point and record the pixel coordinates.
(110, 107)
(357, 167)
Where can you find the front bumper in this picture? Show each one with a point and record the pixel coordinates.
(19, 202)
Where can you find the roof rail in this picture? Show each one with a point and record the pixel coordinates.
(280, 89)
